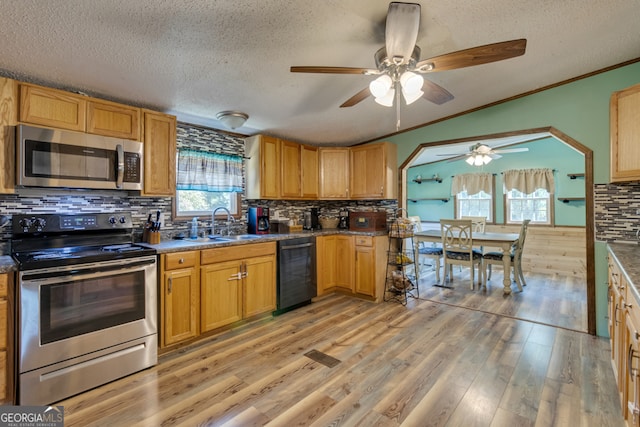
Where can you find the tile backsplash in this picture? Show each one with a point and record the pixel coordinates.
(47, 201)
(617, 211)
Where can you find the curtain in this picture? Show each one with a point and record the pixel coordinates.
(528, 180)
(472, 183)
(200, 170)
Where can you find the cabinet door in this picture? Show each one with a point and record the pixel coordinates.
(110, 119)
(309, 163)
(262, 167)
(367, 167)
(159, 154)
(334, 173)
(259, 285)
(365, 271)
(181, 291)
(326, 256)
(8, 121)
(52, 107)
(344, 259)
(625, 135)
(631, 405)
(291, 170)
(220, 294)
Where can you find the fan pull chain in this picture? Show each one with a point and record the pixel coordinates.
(397, 107)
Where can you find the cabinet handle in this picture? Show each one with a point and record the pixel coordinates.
(243, 269)
(615, 315)
(181, 261)
(236, 276)
(170, 284)
(627, 305)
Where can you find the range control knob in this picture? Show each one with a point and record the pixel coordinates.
(123, 220)
(25, 223)
(39, 224)
(112, 220)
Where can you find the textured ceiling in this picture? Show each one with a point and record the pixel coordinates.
(194, 58)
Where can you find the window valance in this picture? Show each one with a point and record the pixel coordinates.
(472, 183)
(528, 180)
(200, 170)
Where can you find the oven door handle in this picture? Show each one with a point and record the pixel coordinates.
(57, 276)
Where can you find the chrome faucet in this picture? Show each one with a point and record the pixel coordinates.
(230, 219)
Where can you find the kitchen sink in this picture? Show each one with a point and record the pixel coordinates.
(233, 238)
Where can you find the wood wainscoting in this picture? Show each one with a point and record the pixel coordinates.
(552, 250)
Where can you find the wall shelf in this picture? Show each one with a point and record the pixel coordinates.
(435, 178)
(441, 199)
(570, 199)
(575, 175)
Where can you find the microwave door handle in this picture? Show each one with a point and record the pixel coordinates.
(120, 162)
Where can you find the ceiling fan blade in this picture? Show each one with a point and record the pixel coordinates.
(358, 97)
(459, 157)
(435, 93)
(511, 150)
(494, 156)
(333, 70)
(474, 56)
(401, 30)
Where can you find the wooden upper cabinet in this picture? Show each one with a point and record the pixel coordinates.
(8, 121)
(625, 135)
(291, 176)
(52, 107)
(334, 173)
(111, 119)
(374, 171)
(159, 154)
(262, 168)
(310, 174)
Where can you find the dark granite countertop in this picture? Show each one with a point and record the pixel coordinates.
(7, 264)
(627, 256)
(168, 246)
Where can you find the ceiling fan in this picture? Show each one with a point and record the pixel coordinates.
(400, 69)
(480, 154)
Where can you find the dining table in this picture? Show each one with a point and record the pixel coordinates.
(502, 240)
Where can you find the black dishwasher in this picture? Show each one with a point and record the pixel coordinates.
(296, 273)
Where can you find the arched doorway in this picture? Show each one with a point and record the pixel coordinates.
(523, 136)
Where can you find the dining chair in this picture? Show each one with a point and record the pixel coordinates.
(457, 245)
(433, 251)
(479, 223)
(515, 254)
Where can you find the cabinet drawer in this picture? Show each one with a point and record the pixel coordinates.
(4, 284)
(364, 241)
(180, 260)
(230, 253)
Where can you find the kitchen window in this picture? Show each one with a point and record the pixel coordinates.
(205, 181)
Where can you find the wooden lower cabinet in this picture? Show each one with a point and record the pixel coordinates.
(220, 294)
(624, 335)
(370, 265)
(205, 290)
(356, 264)
(335, 257)
(6, 342)
(179, 297)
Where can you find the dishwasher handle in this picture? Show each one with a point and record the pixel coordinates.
(302, 245)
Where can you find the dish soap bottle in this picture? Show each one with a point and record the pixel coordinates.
(194, 228)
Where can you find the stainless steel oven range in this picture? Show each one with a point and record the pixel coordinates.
(86, 303)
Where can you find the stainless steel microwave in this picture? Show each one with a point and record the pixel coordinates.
(66, 159)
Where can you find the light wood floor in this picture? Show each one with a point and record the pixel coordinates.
(552, 299)
(424, 364)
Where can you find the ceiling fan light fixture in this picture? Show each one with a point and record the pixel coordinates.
(380, 86)
(232, 119)
(411, 97)
(411, 82)
(387, 99)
